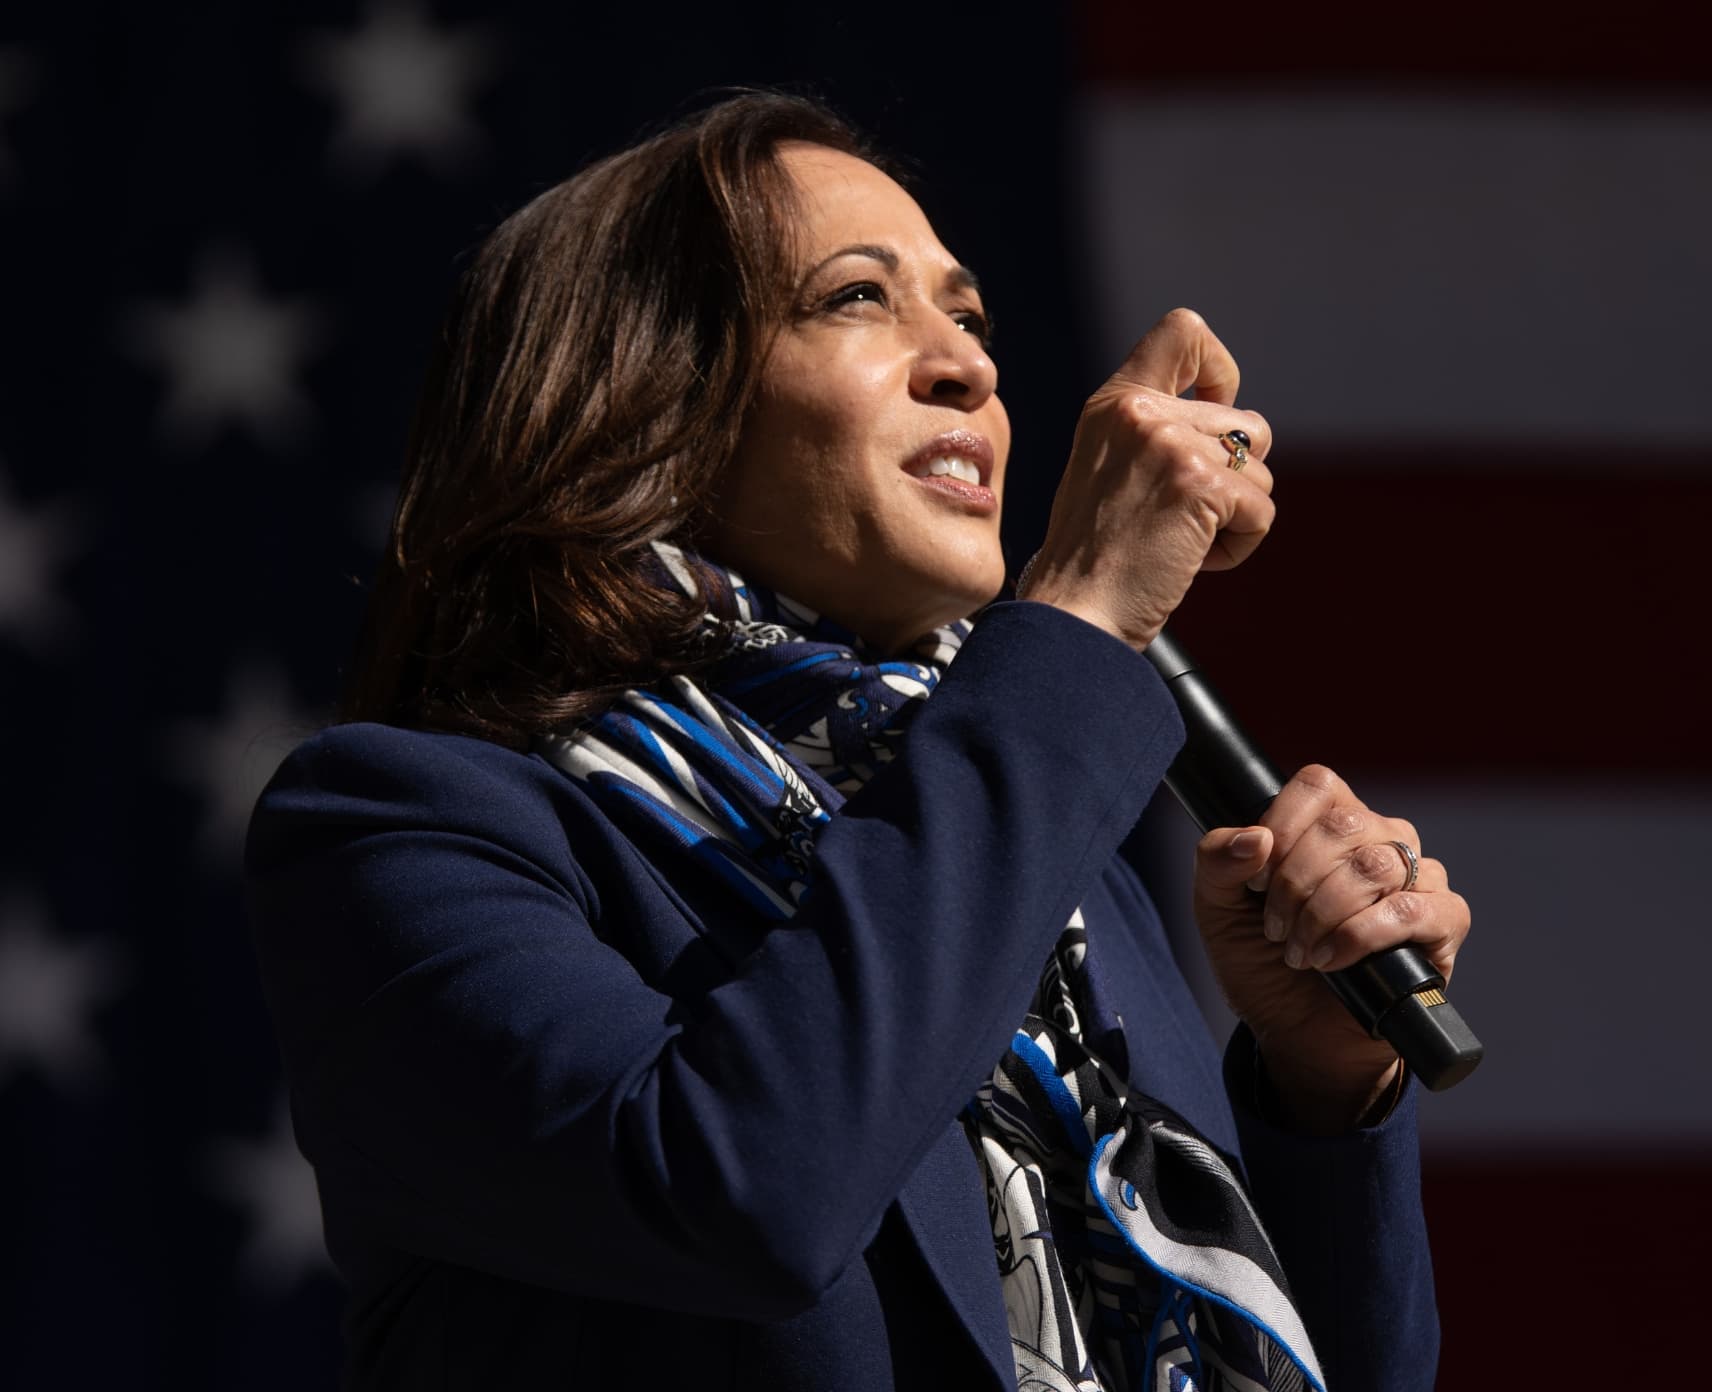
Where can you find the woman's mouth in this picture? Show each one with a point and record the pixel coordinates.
(958, 464)
(952, 466)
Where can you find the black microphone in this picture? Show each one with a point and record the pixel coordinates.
(1223, 780)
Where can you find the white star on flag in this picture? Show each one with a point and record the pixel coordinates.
(17, 87)
(49, 989)
(275, 1187)
(32, 546)
(230, 354)
(229, 759)
(402, 87)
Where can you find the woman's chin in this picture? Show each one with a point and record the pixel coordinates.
(961, 594)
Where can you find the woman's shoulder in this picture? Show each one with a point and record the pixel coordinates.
(362, 778)
(369, 762)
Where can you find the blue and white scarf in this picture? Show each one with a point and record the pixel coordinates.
(1128, 1252)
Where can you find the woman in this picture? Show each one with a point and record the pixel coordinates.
(656, 1012)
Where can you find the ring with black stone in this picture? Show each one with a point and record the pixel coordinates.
(1238, 443)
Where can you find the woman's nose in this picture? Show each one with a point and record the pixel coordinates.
(952, 367)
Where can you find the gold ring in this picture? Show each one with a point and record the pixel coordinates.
(1238, 443)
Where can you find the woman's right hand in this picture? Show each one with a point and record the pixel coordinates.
(1148, 499)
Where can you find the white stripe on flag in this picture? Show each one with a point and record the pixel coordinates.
(1586, 971)
(1415, 265)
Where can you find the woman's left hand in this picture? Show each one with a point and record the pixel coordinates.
(1316, 886)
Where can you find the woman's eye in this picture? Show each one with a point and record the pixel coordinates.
(862, 292)
(972, 321)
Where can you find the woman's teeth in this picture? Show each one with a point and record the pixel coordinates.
(961, 469)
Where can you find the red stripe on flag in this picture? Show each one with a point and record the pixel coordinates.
(1554, 1273)
(1642, 45)
(1507, 619)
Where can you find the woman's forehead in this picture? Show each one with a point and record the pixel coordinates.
(844, 200)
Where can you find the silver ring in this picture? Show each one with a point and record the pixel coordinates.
(1413, 861)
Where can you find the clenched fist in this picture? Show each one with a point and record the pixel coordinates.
(1149, 498)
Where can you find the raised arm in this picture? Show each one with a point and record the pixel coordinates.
(499, 1037)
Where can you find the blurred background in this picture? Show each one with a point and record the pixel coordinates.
(1463, 262)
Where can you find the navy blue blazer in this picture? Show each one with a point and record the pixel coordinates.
(578, 1117)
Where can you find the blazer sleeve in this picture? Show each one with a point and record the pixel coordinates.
(1344, 1214)
(488, 1080)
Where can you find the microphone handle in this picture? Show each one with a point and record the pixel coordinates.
(1222, 779)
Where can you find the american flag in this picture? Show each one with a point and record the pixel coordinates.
(1462, 260)
(1465, 273)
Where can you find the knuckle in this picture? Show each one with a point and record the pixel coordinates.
(1342, 823)
(1184, 320)
(1405, 831)
(1408, 908)
(1189, 473)
(1140, 410)
(1374, 863)
(1318, 779)
(1166, 435)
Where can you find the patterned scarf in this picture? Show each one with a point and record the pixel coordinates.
(1129, 1255)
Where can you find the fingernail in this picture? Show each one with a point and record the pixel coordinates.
(1243, 845)
(1293, 955)
(1322, 955)
(1273, 926)
(1259, 882)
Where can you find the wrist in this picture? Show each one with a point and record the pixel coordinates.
(1090, 612)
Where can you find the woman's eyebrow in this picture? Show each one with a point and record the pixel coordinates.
(962, 278)
(884, 255)
(957, 278)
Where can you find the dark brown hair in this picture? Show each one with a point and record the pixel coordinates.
(588, 387)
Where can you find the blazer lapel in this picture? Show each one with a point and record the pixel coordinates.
(944, 1204)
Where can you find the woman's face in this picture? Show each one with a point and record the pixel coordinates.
(867, 480)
